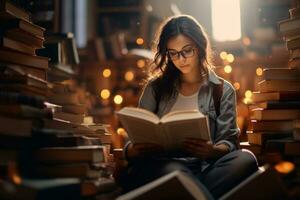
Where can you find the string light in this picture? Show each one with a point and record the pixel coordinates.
(223, 55)
(237, 85)
(227, 69)
(259, 71)
(106, 73)
(105, 94)
(129, 76)
(141, 63)
(118, 99)
(139, 41)
(230, 58)
(120, 131)
(248, 94)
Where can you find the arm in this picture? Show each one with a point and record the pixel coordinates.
(227, 129)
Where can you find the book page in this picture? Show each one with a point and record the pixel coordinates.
(178, 131)
(141, 131)
(139, 113)
(181, 115)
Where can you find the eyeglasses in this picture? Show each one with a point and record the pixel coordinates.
(186, 53)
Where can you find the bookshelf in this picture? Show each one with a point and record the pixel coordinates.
(46, 14)
(129, 18)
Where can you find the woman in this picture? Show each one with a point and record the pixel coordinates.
(181, 79)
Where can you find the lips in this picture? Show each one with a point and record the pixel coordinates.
(184, 66)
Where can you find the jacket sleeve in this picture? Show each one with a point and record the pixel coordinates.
(147, 99)
(227, 129)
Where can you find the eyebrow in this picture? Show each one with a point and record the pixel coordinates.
(181, 48)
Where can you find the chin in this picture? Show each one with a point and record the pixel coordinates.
(185, 71)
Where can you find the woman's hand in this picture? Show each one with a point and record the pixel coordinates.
(204, 149)
(143, 150)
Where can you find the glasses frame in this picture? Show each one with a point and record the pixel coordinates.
(178, 53)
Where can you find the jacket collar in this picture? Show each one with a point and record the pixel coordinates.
(213, 77)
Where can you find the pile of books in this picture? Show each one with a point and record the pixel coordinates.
(43, 153)
(273, 132)
(275, 108)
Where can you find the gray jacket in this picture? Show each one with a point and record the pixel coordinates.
(223, 128)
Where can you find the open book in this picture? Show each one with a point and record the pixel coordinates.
(170, 131)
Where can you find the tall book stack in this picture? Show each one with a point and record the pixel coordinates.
(39, 161)
(70, 100)
(22, 75)
(275, 112)
(275, 107)
(19, 40)
(68, 103)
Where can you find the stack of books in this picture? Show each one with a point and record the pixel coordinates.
(19, 40)
(276, 104)
(290, 29)
(43, 157)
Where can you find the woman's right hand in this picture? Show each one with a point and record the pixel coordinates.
(143, 150)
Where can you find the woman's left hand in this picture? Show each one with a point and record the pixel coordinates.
(199, 148)
(205, 149)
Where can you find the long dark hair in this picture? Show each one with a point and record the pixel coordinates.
(164, 76)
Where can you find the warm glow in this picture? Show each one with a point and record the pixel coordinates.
(237, 85)
(259, 71)
(247, 101)
(120, 131)
(223, 55)
(141, 63)
(140, 41)
(230, 58)
(227, 69)
(248, 94)
(226, 20)
(129, 76)
(284, 167)
(13, 173)
(106, 73)
(246, 41)
(16, 179)
(118, 99)
(105, 94)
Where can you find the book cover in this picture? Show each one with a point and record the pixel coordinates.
(9, 11)
(175, 185)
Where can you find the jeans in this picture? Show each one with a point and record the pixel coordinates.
(219, 177)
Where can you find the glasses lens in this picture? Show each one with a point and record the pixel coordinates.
(173, 55)
(188, 53)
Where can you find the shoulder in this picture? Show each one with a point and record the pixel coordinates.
(152, 85)
(147, 98)
(228, 87)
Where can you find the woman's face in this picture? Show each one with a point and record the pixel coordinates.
(183, 53)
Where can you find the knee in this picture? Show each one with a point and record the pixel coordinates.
(246, 160)
(174, 166)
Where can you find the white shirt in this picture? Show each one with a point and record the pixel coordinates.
(186, 102)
